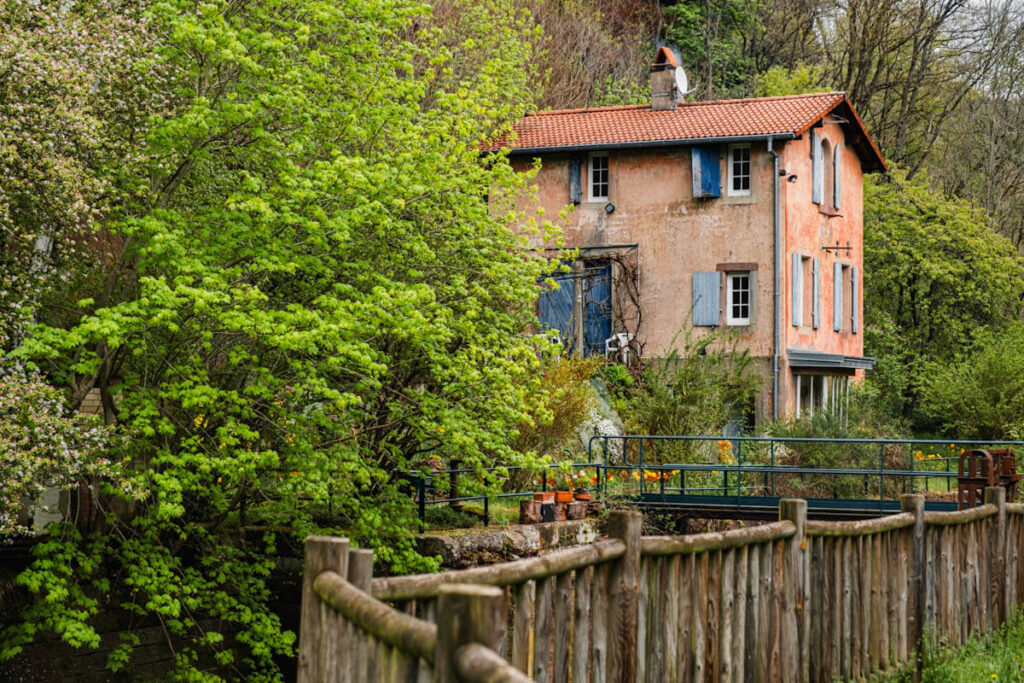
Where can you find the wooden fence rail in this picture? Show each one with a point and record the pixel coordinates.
(795, 600)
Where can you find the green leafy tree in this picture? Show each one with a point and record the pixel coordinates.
(713, 37)
(313, 280)
(936, 276)
(980, 394)
(779, 80)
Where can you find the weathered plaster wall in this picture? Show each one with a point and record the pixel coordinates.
(807, 230)
(677, 234)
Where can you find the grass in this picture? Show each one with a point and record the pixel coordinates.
(997, 657)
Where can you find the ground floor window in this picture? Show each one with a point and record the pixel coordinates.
(820, 393)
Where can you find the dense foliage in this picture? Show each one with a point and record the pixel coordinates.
(41, 447)
(980, 394)
(303, 279)
(937, 277)
(699, 389)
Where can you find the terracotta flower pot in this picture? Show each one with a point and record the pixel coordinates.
(563, 496)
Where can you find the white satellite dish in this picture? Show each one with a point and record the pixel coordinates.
(682, 84)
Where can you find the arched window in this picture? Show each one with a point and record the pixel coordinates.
(829, 174)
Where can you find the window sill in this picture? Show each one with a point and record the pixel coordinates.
(740, 199)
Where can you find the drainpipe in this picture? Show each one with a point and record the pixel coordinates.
(776, 280)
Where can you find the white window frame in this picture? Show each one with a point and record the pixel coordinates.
(590, 177)
(832, 392)
(732, 171)
(729, 280)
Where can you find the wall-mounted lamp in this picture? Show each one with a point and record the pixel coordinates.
(792, 178)
(609, 207)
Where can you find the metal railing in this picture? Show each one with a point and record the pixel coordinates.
(762, 468)
(425, 490)
(737, 467)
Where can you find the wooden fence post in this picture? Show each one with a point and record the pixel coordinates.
(623, 602)
(914, 503)
(362, 650)
(323, 553)
(360, 569)
(996, 495)
(466, 613)
(795, 651)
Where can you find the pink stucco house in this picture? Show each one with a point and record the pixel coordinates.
(740, 214)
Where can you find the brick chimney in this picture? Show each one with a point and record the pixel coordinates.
(664, 93)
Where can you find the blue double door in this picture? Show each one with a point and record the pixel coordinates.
(591, 284)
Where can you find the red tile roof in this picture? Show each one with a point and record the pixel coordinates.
(790, 115)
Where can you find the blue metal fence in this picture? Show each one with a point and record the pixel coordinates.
(739, 470)
(742, 477)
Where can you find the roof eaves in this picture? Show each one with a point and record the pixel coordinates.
(870, 140)
(635, 144)
(842, 99)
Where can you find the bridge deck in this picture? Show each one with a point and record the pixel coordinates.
(767, 507)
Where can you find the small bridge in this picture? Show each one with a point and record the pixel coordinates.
(745, 477)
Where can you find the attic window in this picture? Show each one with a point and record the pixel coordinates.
(598, 176)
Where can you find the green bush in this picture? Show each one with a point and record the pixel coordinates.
(998, 657)
(445, 517)
(698, 390)
(860, 419)
(981, 395)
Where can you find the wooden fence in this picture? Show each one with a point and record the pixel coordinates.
(795, 600)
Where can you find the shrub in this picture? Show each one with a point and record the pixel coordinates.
(553, 424)
(554, 421)
(981, 395)
(698, 390)
(860, 419)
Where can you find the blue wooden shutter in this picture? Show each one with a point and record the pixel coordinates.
(797, 307)
(855, 307)
(837, 297)
(707, 174)
(575, 182)
(837, 183)
(817, 169)
(555, 308)
(816, 292)
(707, 293)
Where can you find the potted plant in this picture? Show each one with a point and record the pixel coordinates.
(563, 492)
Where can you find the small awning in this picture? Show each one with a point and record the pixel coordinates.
(823, 361)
